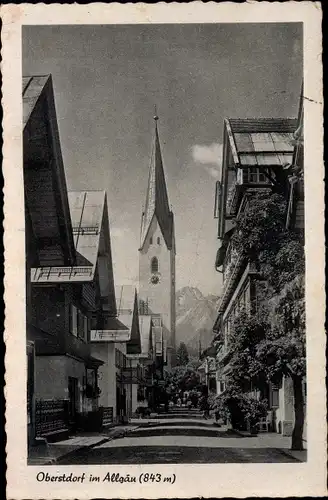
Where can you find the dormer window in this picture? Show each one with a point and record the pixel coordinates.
(158, 240)
(154, 265)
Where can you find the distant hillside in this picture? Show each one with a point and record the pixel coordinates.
(195, 317)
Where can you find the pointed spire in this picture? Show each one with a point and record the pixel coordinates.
(157, 198)
(156, 115)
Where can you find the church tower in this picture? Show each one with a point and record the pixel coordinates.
(157, 255)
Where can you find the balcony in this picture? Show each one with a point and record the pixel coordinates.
(230, 278)
(111, 330)
(233, 192)
(251, 177)
(223, 356)
(58, 274)
(231, 259)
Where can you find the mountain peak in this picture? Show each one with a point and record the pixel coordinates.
(195, 317)
(189, 291)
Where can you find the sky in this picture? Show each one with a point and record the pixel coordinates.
(107, 80)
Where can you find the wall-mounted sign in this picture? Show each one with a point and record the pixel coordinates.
(110, 335)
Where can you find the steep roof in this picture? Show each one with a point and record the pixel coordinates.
(157, 202)
(32, 89)
(87, 208)
(127, 313)
(91, 233)
(125, 297)
(43, 166)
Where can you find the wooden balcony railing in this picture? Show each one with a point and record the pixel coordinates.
(60, 274)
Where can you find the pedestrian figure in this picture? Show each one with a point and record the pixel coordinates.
(205, 407)
(194, 399)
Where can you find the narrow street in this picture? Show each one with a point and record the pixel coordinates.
(183, 436)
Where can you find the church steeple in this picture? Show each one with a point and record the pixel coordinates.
(157, 203)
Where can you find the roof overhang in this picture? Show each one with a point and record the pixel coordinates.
(93, 363)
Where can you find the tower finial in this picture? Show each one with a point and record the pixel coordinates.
(155, 115)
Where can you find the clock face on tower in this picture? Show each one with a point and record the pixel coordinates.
(155, 279)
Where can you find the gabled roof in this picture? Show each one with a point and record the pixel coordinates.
(127, 313)
(257, 125)
(47, 207)
(32, 90)
(87, 209)
(125, 299)
(157, 203)
(261, 141)
(91, 233)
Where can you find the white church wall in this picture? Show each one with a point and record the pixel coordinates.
(158, 295)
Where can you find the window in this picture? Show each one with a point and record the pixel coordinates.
(158, 240)
(274, 397)
(217, 199)
(85, 328)
(154, 265)
(120, 359)
(73, 320)
(80, 325)
(254, 175)
(151, 240)
(157, 321)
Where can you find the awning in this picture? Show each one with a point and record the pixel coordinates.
(92, 362)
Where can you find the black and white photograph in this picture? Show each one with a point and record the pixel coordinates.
(164, 204)
(164, 174)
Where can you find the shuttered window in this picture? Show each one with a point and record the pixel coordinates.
(73, 320)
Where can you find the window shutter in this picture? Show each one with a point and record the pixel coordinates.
(73, 320)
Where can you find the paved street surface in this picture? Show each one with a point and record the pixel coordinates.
(184, 438)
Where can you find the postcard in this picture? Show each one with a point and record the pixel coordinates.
(164, 250)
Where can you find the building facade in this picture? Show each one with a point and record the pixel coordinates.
(157, 257)
(59, 304)
(257, 154)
